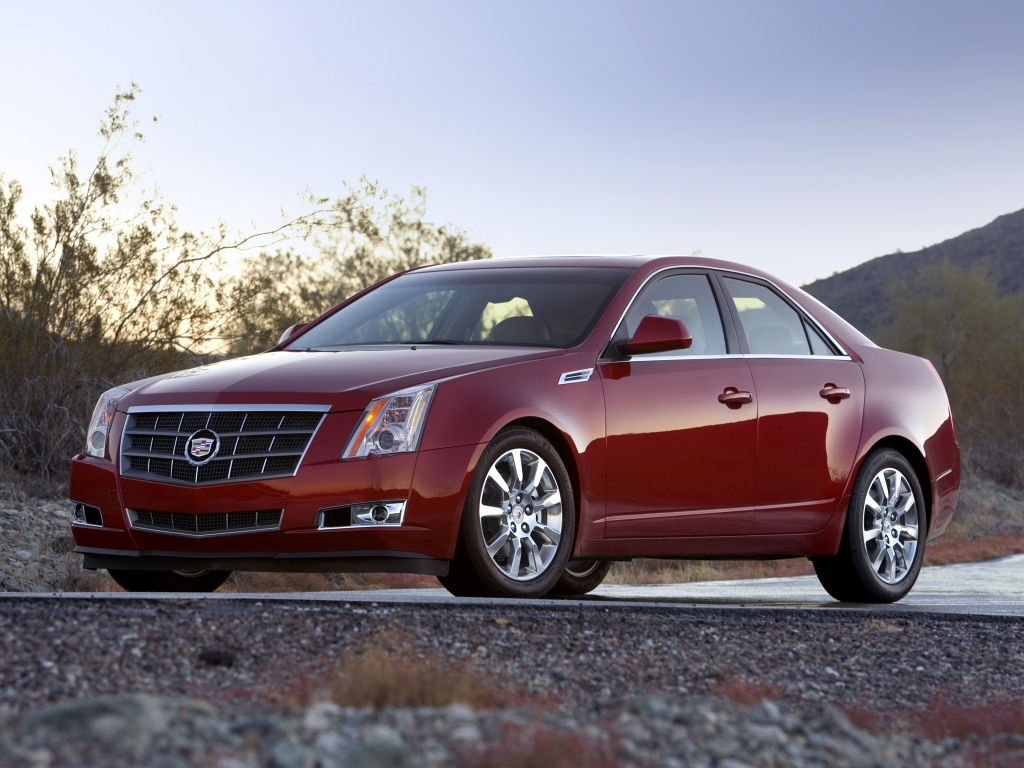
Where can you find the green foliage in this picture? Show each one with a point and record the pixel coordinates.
(101, 286)
(957, 319)
(367, 236)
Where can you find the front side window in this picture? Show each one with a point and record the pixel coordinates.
(688, 298)
(543, 306)
(772, 326)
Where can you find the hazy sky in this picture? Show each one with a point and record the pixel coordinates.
(803, 137)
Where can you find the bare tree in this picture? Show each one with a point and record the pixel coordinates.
(101, 286)
(367, 236)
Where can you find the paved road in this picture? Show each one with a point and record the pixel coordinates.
(993, 588)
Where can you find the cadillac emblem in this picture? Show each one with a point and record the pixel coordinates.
(202, 446)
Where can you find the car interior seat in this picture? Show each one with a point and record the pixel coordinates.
(522, 329)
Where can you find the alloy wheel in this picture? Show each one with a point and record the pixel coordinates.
(891, 526)
(520, 512)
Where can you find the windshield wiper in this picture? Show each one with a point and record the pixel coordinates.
(437, 341)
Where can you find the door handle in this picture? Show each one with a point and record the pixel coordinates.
(833, 394)
(733, 398)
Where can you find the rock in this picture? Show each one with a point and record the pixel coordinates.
(321, 716)
(122, 723)
(382, 755)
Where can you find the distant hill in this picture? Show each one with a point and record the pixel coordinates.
(859, 294)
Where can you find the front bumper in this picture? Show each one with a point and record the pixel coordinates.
(432, 484)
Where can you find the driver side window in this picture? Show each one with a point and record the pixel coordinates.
(688, 298)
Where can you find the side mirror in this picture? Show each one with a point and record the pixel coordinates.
(291, 331)
(658, 334)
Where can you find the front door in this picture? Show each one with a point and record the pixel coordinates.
(681, 425)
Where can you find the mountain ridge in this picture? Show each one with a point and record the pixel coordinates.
(860, 295)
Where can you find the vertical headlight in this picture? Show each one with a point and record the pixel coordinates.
(391, 424)
(99, 425)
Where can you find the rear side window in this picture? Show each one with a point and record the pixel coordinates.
(688, 298)
(772, 326)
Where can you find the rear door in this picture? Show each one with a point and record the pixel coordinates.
(810, 407)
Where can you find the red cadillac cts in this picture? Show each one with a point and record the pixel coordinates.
(513, 426)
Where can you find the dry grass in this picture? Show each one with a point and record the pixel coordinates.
(880, 625)
(254, 581)
(950, 549)
(747, 693)
(944, 719)
(71, 577)
(542, 747)
(381, 677)
(654, 571)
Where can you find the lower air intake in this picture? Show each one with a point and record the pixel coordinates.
(206, 523)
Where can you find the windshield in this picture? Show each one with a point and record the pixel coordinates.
(542, 306)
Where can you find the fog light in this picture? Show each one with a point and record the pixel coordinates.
(86, 514)
(377, 513)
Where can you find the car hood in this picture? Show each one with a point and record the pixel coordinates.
(346, 379)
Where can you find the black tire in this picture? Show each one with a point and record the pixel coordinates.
(533, 513)
(882, 548)
(461, 581)
(581, 577)
(169, 581)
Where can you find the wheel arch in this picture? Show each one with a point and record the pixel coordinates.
(914, 457)
(561, 443)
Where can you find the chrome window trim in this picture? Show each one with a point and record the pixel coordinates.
(707, 270)
(656, 357)
(765, 356)
(321, 409)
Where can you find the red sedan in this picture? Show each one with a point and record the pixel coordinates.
(513, 426)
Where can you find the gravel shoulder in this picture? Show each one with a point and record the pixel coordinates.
(93, 681)
(241, 682)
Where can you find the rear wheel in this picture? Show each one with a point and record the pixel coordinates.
(169, 581)
(581, 577)
(518, 522)
(883, 542)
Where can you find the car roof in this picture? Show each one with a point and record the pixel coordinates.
(588, 260)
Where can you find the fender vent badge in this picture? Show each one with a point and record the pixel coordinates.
(576, 377)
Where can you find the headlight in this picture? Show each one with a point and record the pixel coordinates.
(391, 424)
(96, 437)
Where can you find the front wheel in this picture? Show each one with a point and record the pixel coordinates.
(169, 581)
(519, 519)
(882, 549)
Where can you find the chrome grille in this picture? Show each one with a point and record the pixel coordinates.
(205, 523)
(254, 443)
